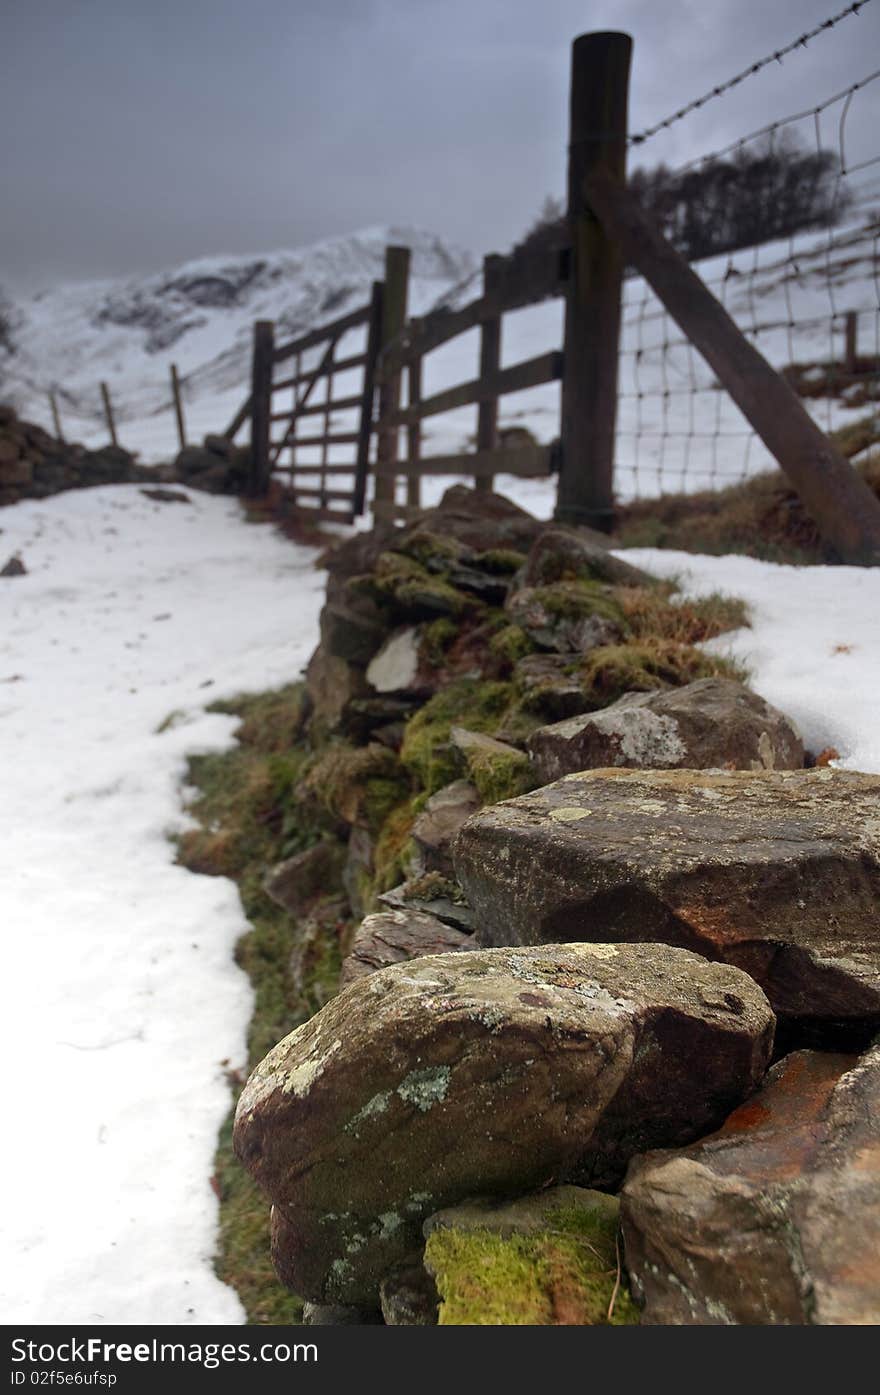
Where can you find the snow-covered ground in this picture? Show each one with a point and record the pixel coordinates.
(120, 999)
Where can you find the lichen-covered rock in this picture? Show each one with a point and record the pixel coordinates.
(440, 820)
(436, 895)
(393, 936)
(567, 617)
(774, 1219)
(296, 882)
(493, 1072)
(547, 1259)
(777, 872)
(715, 723)
(567, 554)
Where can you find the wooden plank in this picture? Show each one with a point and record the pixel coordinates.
(532, 372)
(334, 330)
(303, 399)
(598, 122)
(108, 413)
(525, 461)
(394, 298)
(340, 365)
(846, 511)
(490, 364)
(342, 404)
(374, 340)
(238, 420)
(425, 335)
(261, 405)
(178, 406)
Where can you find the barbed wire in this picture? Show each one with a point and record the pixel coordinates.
(775, 57)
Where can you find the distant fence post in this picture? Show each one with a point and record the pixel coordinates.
(598, 125)
(261, 404)
(108, 413)
(851, 352)
(490, 363)
(178, 406)
(394, 299)
(56, 416)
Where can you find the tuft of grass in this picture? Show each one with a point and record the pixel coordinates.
(657, 613)
(644, 666)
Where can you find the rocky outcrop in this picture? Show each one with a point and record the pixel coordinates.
(714, 723)
(34, 465)
(775, 872)
(490, 1072)
(773, 1220)
(393, 936)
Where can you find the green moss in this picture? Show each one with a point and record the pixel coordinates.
(477, 705)
(408, 589)
(579, 600)
(499, 774)
(500, 561)
(436, 638)
(430, 549)
(356, 784)
(511, 643)
(614, 669)
(248, 821)
(565, 1275)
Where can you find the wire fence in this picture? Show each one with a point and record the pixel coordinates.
(809, 301)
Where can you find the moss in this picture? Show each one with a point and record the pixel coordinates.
(394, 851)
(429, 548)
(656, 613)
(511, 643)
(436, 638)
(499, 774)
(614, 669)
(408, 589)
(500, 561)
(426, 751)
(579, 600)
(565, 1275)
(249, 820)
(356, 784)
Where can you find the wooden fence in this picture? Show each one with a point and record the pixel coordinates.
(608, 231)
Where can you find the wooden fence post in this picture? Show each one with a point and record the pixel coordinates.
(845, 510)
(108, 413)
(598, 125)
(261, 404)
(394, 297)
(414, 435)
(365, 429)
(851, 352)
(178, 406)
(490, 363)
(56, 416)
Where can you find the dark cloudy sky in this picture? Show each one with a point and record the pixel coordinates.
(139, 133)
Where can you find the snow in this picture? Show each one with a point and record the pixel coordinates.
(120, 998)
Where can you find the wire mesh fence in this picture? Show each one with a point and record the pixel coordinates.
(808, 300)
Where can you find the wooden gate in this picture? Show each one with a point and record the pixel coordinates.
(322, 473)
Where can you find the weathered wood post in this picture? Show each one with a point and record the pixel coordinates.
(598, 124)
(56, 415)
(365, 428)
(261, 404)
(414, 435)
(108, 413)
(394, 299)
(178, 406)
(490, 363)
(851, 352)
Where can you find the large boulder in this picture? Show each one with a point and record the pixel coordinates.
(494, 1073)
(774, 1219)
(713, 723)
(777, 872)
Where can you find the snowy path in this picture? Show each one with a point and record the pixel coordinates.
(119, 997)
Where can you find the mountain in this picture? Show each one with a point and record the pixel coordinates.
(200, 316)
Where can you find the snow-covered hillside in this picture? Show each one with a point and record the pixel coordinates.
(199, 316)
